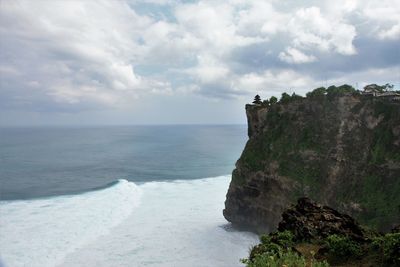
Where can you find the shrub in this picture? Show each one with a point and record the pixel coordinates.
(296, 97)
(265, 103)
(319, 264)
(267, 245)
(285, 239)
(342, 246)
(389, 247)
(282, 258)
(320, 91)
(265, 239)
(288, 258)
(285, 98)
(345, 88)
(273, 100)
(276, 250)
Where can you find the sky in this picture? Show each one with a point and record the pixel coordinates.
(112, 62)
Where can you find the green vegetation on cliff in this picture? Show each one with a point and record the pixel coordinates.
(334, 250)
(336, 145)
(314, 235)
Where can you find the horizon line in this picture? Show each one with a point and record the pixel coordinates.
(118, 125)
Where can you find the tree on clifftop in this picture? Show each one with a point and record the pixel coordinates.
(273, 100)
(285, 98)
(318, 92)
(257, 100)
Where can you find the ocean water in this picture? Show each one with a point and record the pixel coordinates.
(119, 196)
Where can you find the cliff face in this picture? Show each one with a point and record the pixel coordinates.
(341, 151)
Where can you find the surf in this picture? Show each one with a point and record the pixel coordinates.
(41, 232)
(178, 223)
(158, 223)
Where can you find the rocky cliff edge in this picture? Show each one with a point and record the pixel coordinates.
(342, 151)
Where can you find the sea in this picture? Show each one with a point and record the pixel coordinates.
(119, 196)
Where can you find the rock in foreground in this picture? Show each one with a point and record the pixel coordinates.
(310, 221)
(318, 236)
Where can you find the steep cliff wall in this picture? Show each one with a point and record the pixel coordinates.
(342, 151)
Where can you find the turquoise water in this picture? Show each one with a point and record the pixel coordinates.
(40, 162)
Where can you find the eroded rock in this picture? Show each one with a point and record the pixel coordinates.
(308, 220)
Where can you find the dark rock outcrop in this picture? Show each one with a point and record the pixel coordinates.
(310, 221)
(341, 151)
(320, 233)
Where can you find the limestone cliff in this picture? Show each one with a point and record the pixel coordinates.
(342, 151)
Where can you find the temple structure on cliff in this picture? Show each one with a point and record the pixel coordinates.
(376, 91)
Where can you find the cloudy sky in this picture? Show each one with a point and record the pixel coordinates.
(172, 62)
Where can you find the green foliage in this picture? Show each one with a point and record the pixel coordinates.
(265, 239)
(287, 258)
(269, 259)
(285, 98)
(266, 245)
(276, 250)
(273, 100)
(385, 109)
(332, 91)
(378, 151)
(342, 246)
(340, 90)
(382, 146)
(378, 250)
(389, 247)
(318, 92)
(298, 138)
(237, 179)
(285, 239)
(284, 143)
(315, 263)
(380, 194)
(296, 97)
(277, 241)
(307, 175)
(252, 156)
(307, 137)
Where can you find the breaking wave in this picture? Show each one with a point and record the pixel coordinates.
(175, 223)
(42, 232)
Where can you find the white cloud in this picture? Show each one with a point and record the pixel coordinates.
(391, 33)
(209, 70)
(260, 19)
(312, 29)
(295, 56)
(383, 17)
(213, 24)
(273, 82)
(75, 43)
(104, 53)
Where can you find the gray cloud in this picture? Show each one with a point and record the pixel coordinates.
(73, 56)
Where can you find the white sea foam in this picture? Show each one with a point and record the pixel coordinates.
(42, 232)
(178, 223)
